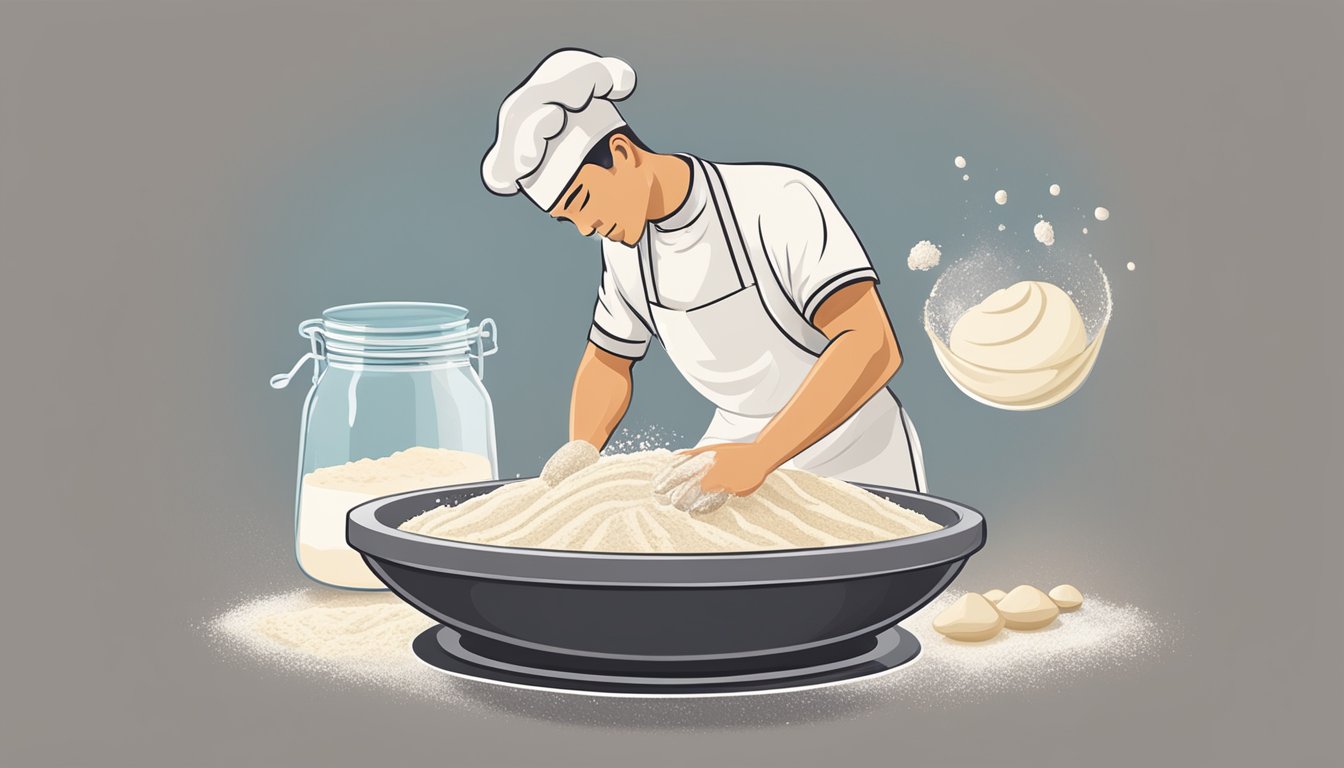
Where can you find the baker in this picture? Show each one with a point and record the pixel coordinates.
(747, 274)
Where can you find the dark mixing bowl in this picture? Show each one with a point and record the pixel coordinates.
(664, 615)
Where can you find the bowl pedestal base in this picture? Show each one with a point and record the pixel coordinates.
(480, 658)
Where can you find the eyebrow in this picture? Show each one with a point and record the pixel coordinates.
(573, 195)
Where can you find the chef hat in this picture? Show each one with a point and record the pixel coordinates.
(548, 124)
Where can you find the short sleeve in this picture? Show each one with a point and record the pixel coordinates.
(617, 328)
(810, 244)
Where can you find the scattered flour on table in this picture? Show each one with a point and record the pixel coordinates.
(924, 256)
(349, 637)
(1100, 635)
(363, 639)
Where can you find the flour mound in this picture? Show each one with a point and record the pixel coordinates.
(610, 506)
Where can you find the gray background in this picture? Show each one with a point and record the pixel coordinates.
(181, 183)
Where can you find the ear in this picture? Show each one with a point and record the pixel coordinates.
(623, 150)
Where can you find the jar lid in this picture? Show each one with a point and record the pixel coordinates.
(394, 317)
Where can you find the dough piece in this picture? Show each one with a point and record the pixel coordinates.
(995, 595)
(1067, 597)
(1028, 326)
(570, 458)
(1045, 232)
(970, 619)
(1027, 607)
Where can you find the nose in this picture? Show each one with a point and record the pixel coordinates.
(597, 223)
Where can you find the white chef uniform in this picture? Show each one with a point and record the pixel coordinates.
(729, 282)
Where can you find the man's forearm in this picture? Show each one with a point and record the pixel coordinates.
(852, 368)
(601, 396)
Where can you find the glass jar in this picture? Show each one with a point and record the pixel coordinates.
(397, 404)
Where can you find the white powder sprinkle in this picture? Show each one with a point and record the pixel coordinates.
(1130, 266)
(1044, 232)
(363, 639)
(1097, 636)
(1001, 227)
(1054, 190)
(959, 161)
(1001, 197)
(1102, 214)
(966, 177)
(350, 637)
(924, 256)
(649, 438)
(1084, 230)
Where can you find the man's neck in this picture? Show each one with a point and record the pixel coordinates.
(669, 184)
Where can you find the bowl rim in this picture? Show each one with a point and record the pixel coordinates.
(381, 542)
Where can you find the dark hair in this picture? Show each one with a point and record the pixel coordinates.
(600, 154)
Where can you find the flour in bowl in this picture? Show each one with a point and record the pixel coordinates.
(609, 506)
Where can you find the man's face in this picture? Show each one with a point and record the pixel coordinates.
(610, 202)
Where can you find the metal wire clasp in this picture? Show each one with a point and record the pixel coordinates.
(488, 330)
(311, 330)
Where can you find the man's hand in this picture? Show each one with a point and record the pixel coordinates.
(739, 468)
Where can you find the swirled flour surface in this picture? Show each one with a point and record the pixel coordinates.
(609, 507)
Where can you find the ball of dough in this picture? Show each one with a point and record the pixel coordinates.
(1102, 214)
(1045, 232)
(995, 595)
(1054, 190)
(1001, 197)
(569, 459)
(1027, 326)
(971, 619)
(1067, 597)
(1027, 607)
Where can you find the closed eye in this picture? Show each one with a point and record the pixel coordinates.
(586, 195)
(572, 195)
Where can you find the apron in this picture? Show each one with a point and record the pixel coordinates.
(748, 352)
